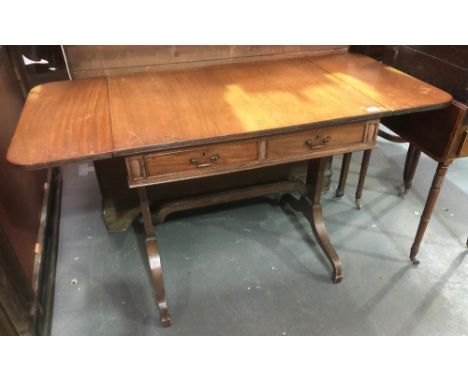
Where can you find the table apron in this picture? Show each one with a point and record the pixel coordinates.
(200, 161)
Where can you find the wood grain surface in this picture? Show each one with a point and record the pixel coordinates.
(160, 110)
(63, 121)
(99, 118)
(391, 88)
(88, 61)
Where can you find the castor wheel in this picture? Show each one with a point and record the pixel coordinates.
(337, 278)
(165, 319)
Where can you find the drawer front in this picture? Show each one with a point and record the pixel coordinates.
(206, 160)
(320, 139)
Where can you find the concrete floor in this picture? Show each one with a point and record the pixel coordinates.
(253, 269)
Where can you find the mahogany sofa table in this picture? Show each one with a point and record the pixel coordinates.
(187, 124)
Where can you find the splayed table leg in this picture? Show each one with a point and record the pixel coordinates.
(309, 205)
(152, 251)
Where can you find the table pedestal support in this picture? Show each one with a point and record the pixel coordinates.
(161, 212)
(309, 205)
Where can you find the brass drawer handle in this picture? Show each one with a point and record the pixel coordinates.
(312, 146)
(213, 159)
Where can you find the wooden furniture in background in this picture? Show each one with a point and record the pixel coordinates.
(16, 294)
(37, 64)
(29, 207)
(219, 120)
(21, 193)
(440, 134)
(443, 134)
(21, 197)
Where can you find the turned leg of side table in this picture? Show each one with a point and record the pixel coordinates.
(428, 208)
(362, 176)
(154, 259)
(309, 205)
(344, 174)
(411, 162)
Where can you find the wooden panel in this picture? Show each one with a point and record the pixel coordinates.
(377, 52)
(92, 61)
(63, 121)
(20, 193)
(201, 158)
(171, 109)
(6, 326)
(456, 55)
(436, 132)
(16, 296)
(463, 151)
(315, 139)
(394, 90)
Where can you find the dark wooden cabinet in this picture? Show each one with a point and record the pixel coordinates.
(20, 207)
(24, 221)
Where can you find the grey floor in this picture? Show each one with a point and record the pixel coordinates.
(255, 269)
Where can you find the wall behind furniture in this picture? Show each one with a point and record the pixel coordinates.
(99, 60)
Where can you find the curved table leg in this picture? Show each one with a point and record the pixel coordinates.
(315, 217)
(152, 251)
(362, 176)
(428, 208)
(344, 174)
(309, 205)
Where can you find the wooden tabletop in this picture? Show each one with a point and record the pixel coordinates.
(63, 121)
(396, 91)
(104, 117)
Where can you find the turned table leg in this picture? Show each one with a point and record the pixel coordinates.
(309, 205)
(152, 251)
(362, 176)
(344, 174)
(411, 162)
(428, 208)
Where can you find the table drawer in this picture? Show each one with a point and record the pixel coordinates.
(320, 139)
(191, 162)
